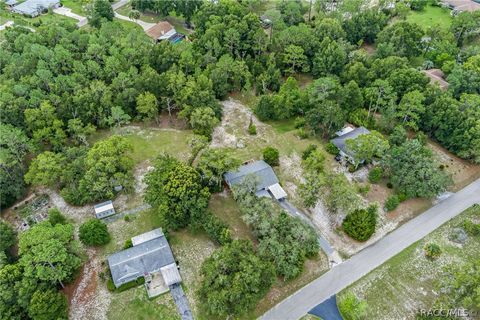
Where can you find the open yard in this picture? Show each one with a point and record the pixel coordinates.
(33, 22)
(431, 17)
(190, 249)
(152, 17)
(149, 142)
(77, 6)
(408, 282)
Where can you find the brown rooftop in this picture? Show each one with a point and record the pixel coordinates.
(463, 5)
(159, 29)
(437, 76)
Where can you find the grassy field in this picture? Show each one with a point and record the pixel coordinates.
(33, 22)
(134, 304)
(150, 142)
(408, 281)
(77, 6)
(431, 17)
(224, 207)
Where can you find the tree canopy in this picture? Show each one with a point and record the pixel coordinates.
(234, 278)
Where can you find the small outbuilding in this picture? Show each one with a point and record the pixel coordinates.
(267, 182)
(34, 8)
(340, 142)
(104, 209)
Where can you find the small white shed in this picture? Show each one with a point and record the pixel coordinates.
(104, 209)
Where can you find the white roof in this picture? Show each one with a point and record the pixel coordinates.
(277, 191)
(170, 274)
(102, 207)
(167, 35)
(344, 130)
(147, 236)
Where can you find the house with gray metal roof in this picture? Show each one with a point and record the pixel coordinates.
(150, 257)
(267, 182)
(34, 8)
(344, 135)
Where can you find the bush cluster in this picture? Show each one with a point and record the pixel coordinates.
(216, 229)
(375, 174)
(360, 224)
(432, 251)
(132, 284)
(332, 149)
(392, 202)
(271, 156)
(94, 233)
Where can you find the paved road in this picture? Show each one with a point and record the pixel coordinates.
(143, 24)
(6, 24)
(341, 276)
(64, 11)
(119, 4)
(181, 301)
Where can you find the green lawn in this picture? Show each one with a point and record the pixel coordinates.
(33, 22)
(77, 6)
(146, 17)
(148, 143)
(224, 207)
(431, 17)
(408, 281)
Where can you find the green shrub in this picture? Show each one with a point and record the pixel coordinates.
(432, 251)
(375, 174)
(126, 218)
(302, 133)
(351, 168)
(472, 229)
(252, 129)
(311, 147)
(359, 117)
(360, 224)
(392, 202)
(421, 137)
(332, 149)
(132, 284)
(128, 244)
(271, 156)
(389, 185)
(363, 188)
(299, 123)
(111, 285)
(56, 217)
(94, 233)
(351, 308)
(402, 197)
(216, 229)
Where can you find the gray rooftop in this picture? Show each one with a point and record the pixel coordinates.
(137, 261)
(339, 142)
(261, 169)
(33, 7)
